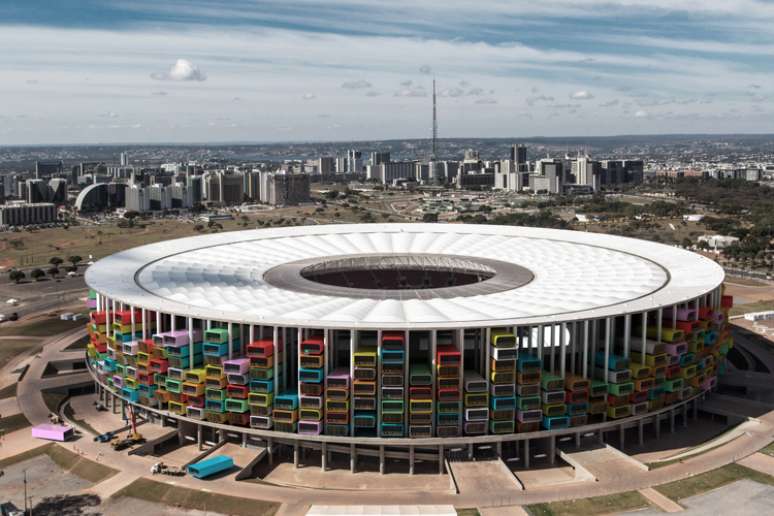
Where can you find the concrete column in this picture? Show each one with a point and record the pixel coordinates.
(324, 457)
(601, 436)
(657, 423)
(411, 460)
(641, 431)
(577, 440)
(526, 453)
(163, 421)
(381, 460)
(123, 409)
(552, 450)
(499, 448)
(270, 449)
(440, 460)
(685, 415)
(295, 454)
(244, 440)
(672, 421)
(470, 451)
(199, 436)
(352, 458)
(695, 408)
(622, 436)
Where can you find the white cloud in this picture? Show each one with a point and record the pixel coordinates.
(372, 93)
(531, 101)
(308, 96)
(159, 93)
(182, 70)
(356, 85)
(582, 95)
(425, 69)
(486, 100)
(641, 114)
(610, 103)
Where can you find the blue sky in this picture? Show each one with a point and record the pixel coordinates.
(207, 71)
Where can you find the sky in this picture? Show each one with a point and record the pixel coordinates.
(177, 71)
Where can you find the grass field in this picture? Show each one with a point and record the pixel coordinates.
(12, 423)
(176, 496)
(77, 465)
(78, 344)
(42, 327)
(768, 450)
(758, 306)
(65, 459)
(621, 502)
(8, 391)
(711, 480)
(9, 348)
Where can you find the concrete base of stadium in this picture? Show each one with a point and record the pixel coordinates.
(536, 449)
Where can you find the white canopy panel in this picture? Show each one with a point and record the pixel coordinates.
(577, 275)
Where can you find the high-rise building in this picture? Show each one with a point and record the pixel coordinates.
(326, 166)
(124, 159)
(283, 189)
(548, 176)
(44, 169)
(377, 158)
(354, 162)
(57, 190)
(386, 173)
(519, 157)
(22, 213)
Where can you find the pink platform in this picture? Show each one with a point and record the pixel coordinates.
(52, 432)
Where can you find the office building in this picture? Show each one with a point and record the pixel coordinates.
(24, 213)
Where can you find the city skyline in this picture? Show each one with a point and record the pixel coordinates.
(202, 71)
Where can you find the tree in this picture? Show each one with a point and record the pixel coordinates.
(37, 274)
(198, 227)
(75, 259)
(56, 261)
(16, 275)
(53, 272)
(130, 216)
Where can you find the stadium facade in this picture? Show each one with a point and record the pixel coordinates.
(407, 340)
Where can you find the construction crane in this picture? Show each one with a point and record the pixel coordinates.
(132, 438)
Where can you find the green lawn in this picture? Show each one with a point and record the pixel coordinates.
(758, 306)
(711, 480)
(77, 465)
(42, 327)
(65, 459)
(78, 344)
(183, 497)
(12, 423)
(8, 391)
(768, 450)
(467, 511)
(10, 348)
(621, 502)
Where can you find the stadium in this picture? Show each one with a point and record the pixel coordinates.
(407, 341)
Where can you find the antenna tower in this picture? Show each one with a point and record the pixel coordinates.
(435, 124)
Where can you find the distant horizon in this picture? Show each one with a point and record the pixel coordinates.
(346, 70)
(515, 140)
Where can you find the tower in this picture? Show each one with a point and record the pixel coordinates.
(435, 124)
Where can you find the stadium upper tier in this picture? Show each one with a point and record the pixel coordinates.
(403, 276)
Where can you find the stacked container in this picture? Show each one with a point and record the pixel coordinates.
(476, 404)
(448, 396)
(529, 415)
(311, 382)
(393, 379)
(364, 391)
(337, 403)
(420, 401)
(619, 386)
(503, 354)
(262, 371)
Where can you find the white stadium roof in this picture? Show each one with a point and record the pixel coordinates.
(574, 275)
